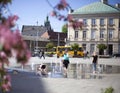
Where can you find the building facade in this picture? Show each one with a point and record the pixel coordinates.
(101, 25)
(39, 36)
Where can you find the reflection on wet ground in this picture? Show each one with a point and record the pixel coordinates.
(77, 71)
(54, 72)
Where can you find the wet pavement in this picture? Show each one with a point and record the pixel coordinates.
(27, 81)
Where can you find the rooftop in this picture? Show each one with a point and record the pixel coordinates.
(97, 7)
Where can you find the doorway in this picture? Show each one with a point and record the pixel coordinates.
(110, 49)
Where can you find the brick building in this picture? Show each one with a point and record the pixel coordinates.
(39, 36)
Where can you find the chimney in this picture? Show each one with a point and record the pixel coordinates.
(104, 1)
(117, 5)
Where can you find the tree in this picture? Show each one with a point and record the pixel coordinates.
(75, 46)
(101, 48)
(11, 45)
(64, 28)
(50, 45)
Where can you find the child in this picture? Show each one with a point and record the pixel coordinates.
(41, 70)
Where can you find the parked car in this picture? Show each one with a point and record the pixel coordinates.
(116, 55)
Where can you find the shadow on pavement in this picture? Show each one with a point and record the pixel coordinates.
(26, 82)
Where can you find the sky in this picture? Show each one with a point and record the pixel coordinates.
(32, 11)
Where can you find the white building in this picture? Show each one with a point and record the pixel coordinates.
(101, 25)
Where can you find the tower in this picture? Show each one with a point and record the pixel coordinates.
(47, 24)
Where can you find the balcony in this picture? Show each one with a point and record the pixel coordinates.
(101, 39)
(102, 25)
(76, 39)
(85, 25)
(111, 25)
(93, 25)
(84, 39)
(92, 39)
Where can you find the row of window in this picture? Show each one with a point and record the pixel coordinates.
(92, 47)
(102, 21)
(93, 34)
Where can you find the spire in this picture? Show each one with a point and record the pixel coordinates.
(47, 18)
(47, 23)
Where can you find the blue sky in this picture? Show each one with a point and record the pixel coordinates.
(31, 11)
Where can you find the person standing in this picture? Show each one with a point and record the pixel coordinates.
(42, 54)
(87, 54)
(65, 62)
(94, 62)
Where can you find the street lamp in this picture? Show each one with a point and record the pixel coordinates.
(37, 36)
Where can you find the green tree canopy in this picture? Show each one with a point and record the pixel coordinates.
(101, 46)
(64, 28)
(50, 45)
(75, 46)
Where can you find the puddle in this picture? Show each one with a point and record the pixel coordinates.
(55, 75)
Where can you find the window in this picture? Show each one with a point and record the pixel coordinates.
(93, 22)
(85, 21)
(84, 34)
(110, 34)
(101, 21)
(101, 34)
(92, 48)
(84, 46)
(92, 34)
(76, 34)
(111, 21)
